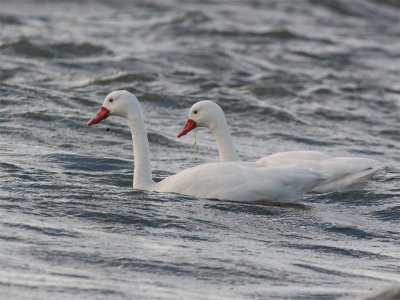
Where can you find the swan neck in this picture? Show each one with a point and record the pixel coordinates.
(226, 148)
(142, 178)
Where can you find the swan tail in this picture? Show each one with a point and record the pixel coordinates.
(349, 182)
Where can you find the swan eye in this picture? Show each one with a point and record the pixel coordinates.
(110, 100)
(195, 112)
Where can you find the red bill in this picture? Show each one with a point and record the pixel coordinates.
(189, 126)
(101, 115)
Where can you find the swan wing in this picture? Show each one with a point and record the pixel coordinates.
(344, 173)
(289, 157)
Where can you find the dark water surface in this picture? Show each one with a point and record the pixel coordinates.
(290, 75)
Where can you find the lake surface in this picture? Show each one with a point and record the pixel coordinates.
(290, 75)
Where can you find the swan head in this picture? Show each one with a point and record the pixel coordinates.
(117, 103)
(203, 114)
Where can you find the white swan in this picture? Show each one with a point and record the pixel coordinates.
(345, 173)
(236, 181)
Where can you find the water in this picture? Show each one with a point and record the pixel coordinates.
(321, 75)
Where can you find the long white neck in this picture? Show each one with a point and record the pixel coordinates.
(142, 178)
(226, 148)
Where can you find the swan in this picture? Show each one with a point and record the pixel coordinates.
(344, 173)
(234, 181)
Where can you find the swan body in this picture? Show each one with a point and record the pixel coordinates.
(236, 181)
(242, 182)
(344, 173)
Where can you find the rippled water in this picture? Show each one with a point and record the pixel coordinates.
(290, 75)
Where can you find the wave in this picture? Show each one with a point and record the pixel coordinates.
(24, 46)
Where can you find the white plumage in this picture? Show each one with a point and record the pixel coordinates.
(236, 181)
(344, 173)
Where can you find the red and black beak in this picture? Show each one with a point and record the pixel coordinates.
(189, 126)
(101, 115)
